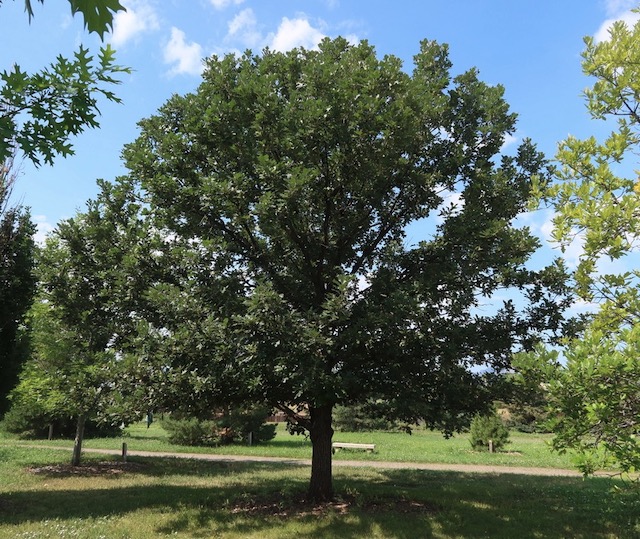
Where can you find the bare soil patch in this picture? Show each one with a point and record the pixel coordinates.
(301, 507)
(86, 470)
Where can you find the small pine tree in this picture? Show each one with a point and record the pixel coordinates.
(485, 428)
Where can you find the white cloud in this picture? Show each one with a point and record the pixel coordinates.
(452, 201)
(509, 140)
(244, 26)
(353, 39)
(186, 57)
(629, 18)
(572, 252)
(43, 228)
(617, 10)
(140, 17)
(221, 4)
(295, 33)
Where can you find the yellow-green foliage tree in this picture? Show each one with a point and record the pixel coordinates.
(596, 391)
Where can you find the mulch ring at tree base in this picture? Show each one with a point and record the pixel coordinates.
(277, 505)
(86, 470)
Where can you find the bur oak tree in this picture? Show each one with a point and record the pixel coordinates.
(288, 182)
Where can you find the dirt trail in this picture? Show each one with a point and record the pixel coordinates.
(464, 468)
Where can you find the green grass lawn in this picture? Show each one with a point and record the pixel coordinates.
(529, 450)
(151, 497)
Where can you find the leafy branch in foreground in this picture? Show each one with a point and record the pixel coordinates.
(39, 112)
(97, 14)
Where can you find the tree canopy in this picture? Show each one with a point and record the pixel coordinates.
(282, 190)
(88, 274)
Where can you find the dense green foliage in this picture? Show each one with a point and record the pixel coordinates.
(56, 385)
(233, 426)
(488, 432)
(190, 431)
(281, 191)
(595, 390)
(362, 418)
(527, 418)
(526, 405)
(40, 112)
(90, 289)
(17, 284)
(28, 420)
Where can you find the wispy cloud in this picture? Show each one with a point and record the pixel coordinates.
(244, 27)
(221, 4)
(615, 7)
(509, 140)
(139, 18)
(185, 56)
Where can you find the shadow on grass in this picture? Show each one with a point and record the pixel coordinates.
(523, 505)
(111, 467)
(258, 498)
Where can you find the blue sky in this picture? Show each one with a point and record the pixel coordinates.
(531, 47)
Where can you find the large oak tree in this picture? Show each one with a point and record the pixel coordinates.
(283, 188)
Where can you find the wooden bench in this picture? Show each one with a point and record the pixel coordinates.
(346, 445)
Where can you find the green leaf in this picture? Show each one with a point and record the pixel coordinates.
(97, 14)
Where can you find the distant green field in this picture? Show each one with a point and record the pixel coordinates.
(42, 498)
(530, 450)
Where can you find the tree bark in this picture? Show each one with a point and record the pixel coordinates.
(321, 432)
(77, 443)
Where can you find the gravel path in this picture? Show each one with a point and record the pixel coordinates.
(464, 468)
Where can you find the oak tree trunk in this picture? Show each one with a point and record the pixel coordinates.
(77, 443)
(321, 432)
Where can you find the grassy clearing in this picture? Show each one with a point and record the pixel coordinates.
(528, 450)
(166, 497)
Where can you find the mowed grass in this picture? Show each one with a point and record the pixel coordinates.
(526, 450)
(159, 497)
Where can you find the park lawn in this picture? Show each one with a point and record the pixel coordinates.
(526, 450)
(152, 497)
